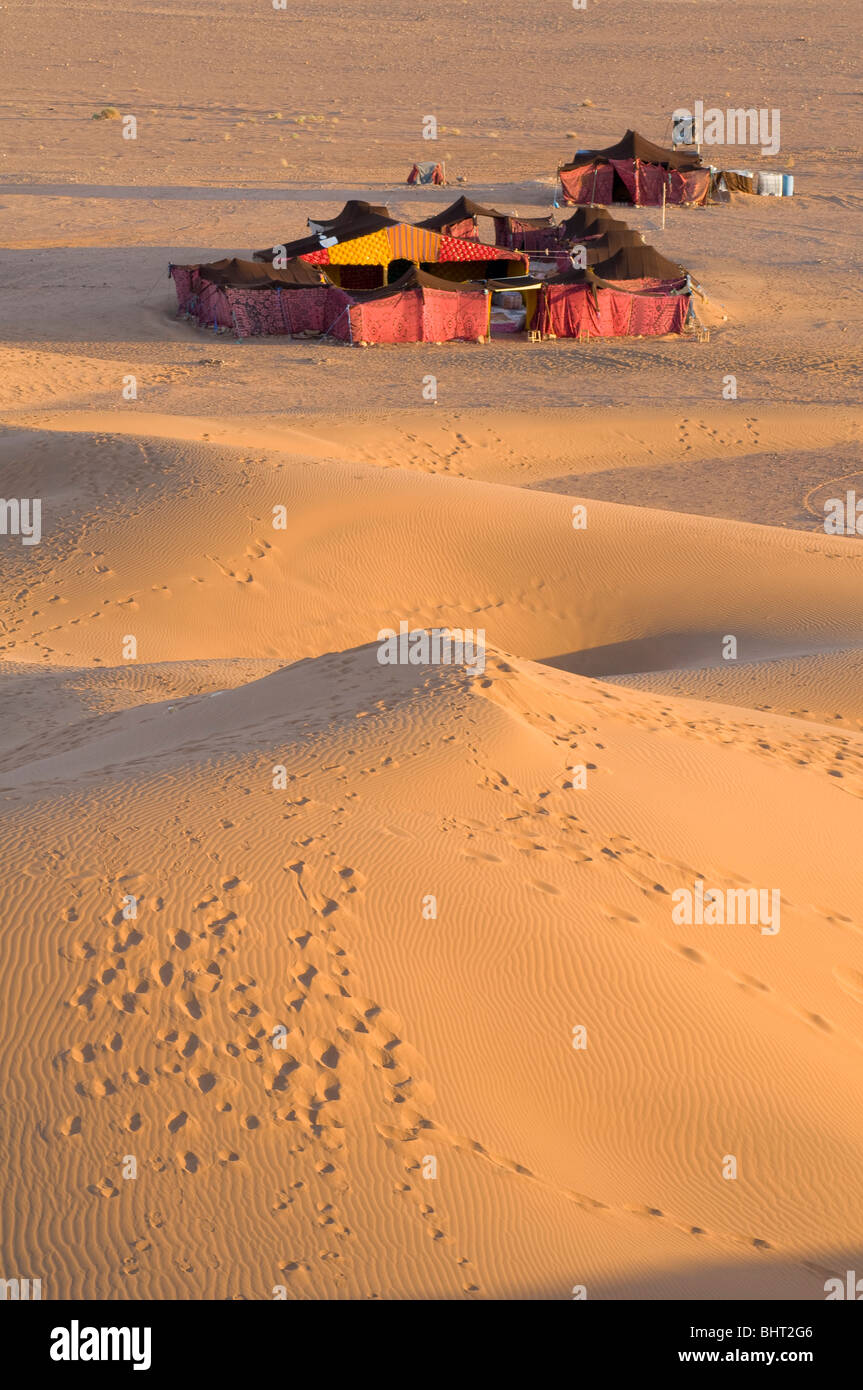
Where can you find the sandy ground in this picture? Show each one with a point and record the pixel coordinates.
(237, 834)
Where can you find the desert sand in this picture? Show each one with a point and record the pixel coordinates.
(253, 830)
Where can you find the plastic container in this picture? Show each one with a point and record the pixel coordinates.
(770, 185)
(787, 185)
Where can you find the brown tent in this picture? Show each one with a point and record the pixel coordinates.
(638, 262)
(416, 279)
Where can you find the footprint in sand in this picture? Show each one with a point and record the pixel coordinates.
(851, 981)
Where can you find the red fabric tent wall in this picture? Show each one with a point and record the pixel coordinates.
(690, 187)
(311, 309)
(643, 183)
(421, 316)
(569, 311)
(253, 312)
(588, 184)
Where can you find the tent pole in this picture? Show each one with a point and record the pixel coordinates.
(663, 205)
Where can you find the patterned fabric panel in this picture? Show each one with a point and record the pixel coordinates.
(453, 249)
(362, 250)
(627, 171)
(464, 230)
(569, 311)
(259, 312)
(587, 185)
(413, 244)
(691, 187)
(421, 316)
(182, 276)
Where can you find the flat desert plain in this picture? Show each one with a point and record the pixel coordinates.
(355, 980)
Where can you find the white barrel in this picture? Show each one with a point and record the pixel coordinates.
(770, 185)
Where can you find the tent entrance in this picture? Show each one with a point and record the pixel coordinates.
(619, 191)
(356, 277)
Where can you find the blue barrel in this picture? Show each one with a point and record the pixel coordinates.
(787, 185)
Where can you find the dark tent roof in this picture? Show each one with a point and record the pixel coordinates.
(635, 146)
(636, 263)
(603, 247)
(255, 275)
(590, 221)
(303, 246)
(414, 279)
(355, 213)
(457, 212)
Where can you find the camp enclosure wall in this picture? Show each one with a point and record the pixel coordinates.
(597, 309)
(256, 310)
(415, 309)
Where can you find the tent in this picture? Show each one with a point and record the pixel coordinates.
(427, 172)
(254, 300)
(635, 171)
(581, 304)
(600, 248)
(371, 260)
(459, 219)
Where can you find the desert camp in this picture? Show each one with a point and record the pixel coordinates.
(524, 267)
(366, 278)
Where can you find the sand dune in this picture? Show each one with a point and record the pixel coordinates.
(183, 556)
(258, 906)
(309, 914)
